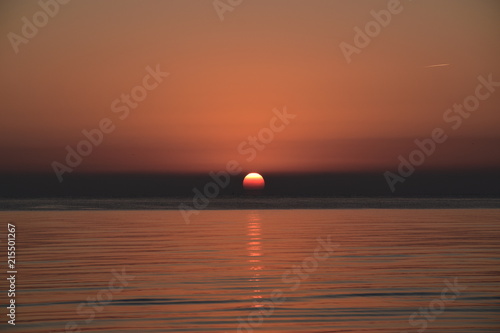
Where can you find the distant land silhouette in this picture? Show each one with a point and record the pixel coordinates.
(421, 184)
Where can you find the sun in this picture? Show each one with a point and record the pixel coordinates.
(253, 181)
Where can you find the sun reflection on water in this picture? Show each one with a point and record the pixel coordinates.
(254, 248)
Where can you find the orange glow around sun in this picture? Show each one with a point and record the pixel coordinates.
(253, 181)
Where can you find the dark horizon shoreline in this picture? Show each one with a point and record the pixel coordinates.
(248, 203)
(343, 185)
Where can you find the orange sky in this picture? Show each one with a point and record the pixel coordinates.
(227, 76)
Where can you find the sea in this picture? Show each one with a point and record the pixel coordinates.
(251, 265)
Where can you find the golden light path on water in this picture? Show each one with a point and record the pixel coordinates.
(254, 247)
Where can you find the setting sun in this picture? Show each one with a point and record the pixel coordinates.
(253, 181)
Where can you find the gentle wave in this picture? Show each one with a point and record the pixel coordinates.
(220, 272)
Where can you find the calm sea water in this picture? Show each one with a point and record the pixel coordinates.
(372, 270)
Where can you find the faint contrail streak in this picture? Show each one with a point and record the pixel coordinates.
(438, 65)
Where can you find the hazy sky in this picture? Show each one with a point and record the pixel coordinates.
(226, 77)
